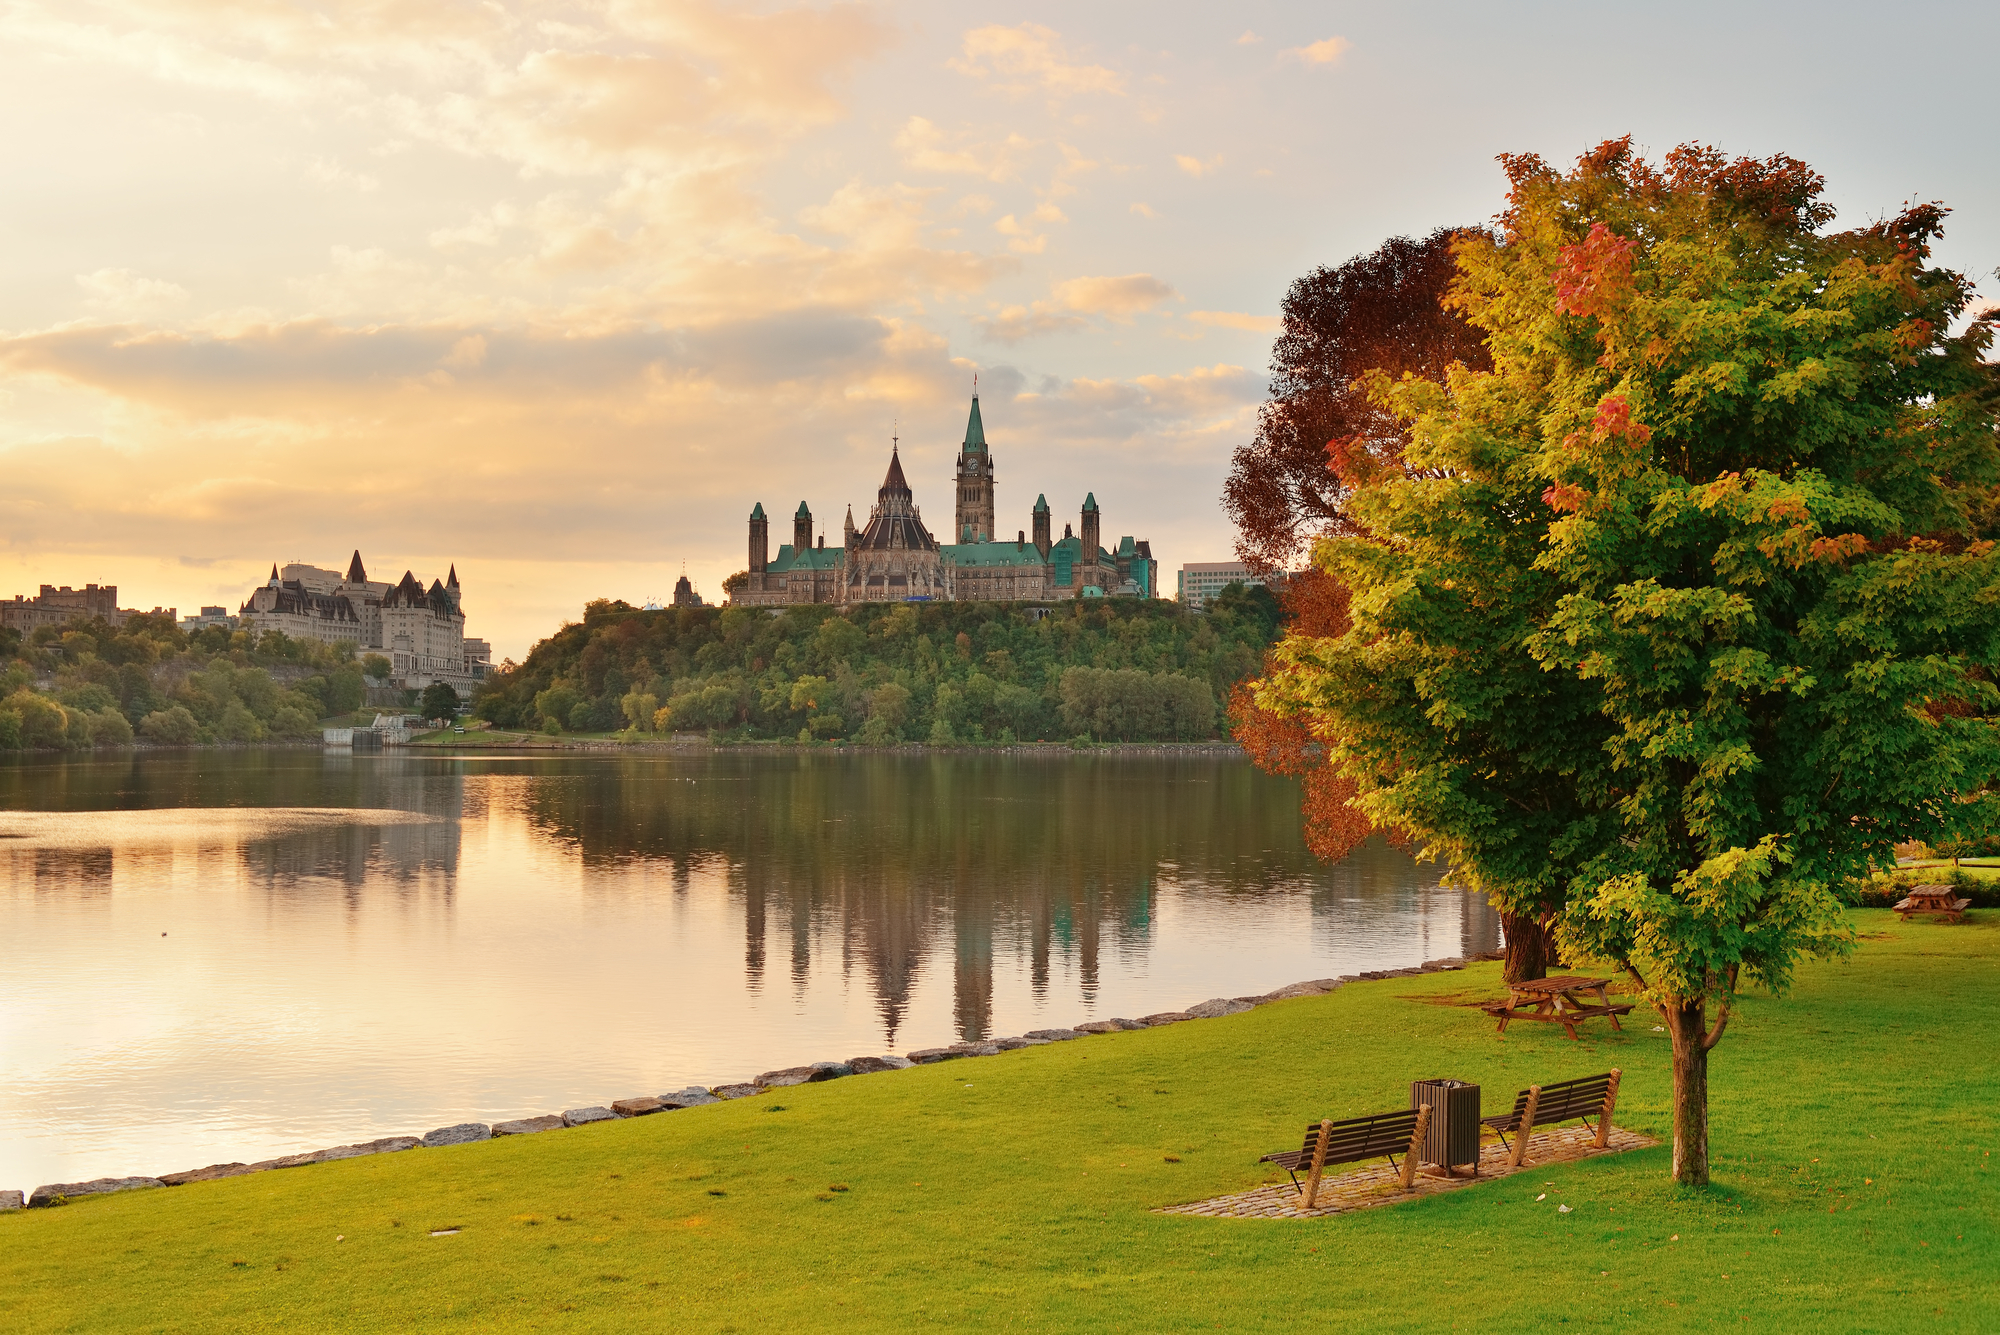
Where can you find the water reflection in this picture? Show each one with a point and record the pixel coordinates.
(272, 949)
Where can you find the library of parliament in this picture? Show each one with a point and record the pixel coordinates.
(894, 558)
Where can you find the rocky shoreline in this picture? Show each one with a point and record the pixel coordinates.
(694, 1096)
(439, 741)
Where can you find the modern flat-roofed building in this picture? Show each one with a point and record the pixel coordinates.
(1202, 580)
(210, 616)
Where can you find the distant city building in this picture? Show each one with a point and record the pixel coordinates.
(894, 558)
(54, 606)
(684, 594)
(420, 630)
(210, 616)
(1202, 580)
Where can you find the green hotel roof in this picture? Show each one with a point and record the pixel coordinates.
(758, 513)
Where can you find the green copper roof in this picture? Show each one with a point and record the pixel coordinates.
(803, 513)
(1041, 505)
(975, 430)
(1089, 502)
(790, 559)
(758, 513)
(964, 554)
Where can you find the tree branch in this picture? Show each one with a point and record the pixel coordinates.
(1722, 1015)
(1715, 1034)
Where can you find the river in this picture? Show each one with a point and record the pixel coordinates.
(231, 955)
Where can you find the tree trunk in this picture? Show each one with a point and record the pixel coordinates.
(1687, 1024)
(1530, 947)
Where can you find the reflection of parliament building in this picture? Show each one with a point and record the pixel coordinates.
(420, 630)
(896, 559)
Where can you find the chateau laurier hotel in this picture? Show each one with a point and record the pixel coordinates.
(421, 631)
(895, 558)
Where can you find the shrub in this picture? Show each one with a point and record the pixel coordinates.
(238, 724)
(641, 708)
(108, 727)
(44, 723)
(172, 726)
(290, 721)
(344, 690)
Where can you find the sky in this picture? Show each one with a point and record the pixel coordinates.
(555, 292)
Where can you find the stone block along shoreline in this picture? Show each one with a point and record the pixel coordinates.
(694, 1096)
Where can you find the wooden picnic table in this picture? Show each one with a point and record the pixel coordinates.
(1562, 1001)
(1942, 900)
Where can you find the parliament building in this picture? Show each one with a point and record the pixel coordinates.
(896, 559)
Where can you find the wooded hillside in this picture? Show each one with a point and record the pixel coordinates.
(90, 684)
(882, 673)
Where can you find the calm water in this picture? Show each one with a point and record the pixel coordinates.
(234, 955)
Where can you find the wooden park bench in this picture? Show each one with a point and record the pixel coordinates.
(1939, 899)
(1549, 1105)
(1383, 1135)
(1563, 1001)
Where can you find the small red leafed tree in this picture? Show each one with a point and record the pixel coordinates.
(1321, 431)
(1323, 435)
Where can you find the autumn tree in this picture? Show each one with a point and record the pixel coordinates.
(1322, 435)
(1716, 521)
(1379, 311)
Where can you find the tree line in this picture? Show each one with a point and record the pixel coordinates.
(879, 674)
(90, 684)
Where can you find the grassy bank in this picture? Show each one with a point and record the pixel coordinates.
(1854, 1190)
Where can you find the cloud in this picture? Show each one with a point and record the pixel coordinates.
(1030, 58)
(1144, 210)
(120, 292)
(1021, 238)
(1324, 52)
(1248, 38)
(1014, 323)
(572, 264)
(1195, 167)
(327, 173)
(1072, 303)
(1256, 324)
(1115, 297)
(924, 147)
(466, 355)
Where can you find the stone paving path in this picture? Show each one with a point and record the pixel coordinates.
(1382, 1185)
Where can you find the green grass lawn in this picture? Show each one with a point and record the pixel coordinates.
(1854, 1190)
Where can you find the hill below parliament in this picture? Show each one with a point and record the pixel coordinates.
(943, 673)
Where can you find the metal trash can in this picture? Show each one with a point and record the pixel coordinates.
(1451, 1141)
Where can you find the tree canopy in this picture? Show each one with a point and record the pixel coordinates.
(1110, 669)
(1683, 612)
(1379, 311)
(88, 683)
